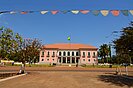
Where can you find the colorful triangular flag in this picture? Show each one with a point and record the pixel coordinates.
(54, 12)
(43, 12)
(105, 12)
(124, 12)
(12, 12)
(75, 11)
(131, 11)
(84, 11)
(115, 12)
(64, 11)
(95, 12)
(24, 12)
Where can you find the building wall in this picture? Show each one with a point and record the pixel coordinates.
(48, 58)
(84, 59)
(88, 59)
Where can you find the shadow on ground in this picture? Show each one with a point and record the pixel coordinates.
(117, 80)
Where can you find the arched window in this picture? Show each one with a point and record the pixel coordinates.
(48, 54)
(64, 53)
(59, 53)
(77, 53)
(72, 53)
(68, 53)
(83, 53)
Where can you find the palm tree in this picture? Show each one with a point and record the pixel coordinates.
(104, 52)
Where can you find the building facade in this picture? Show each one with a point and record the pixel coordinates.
(68, 54)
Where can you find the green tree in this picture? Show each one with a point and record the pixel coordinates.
(104, 52)
(124, 45)
(30, 51)
(9, 43)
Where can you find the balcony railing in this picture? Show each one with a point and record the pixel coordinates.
(94, 56)
(83, 56)
(88, 56)
(48, 55)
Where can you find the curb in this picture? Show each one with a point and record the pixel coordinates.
(1, 80)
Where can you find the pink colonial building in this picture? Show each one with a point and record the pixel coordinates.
(65, 53)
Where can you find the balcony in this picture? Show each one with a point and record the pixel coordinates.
(94, 56)
(53, 55)
(83, 56)
(48, 56)
(88, 56)
(42, 55)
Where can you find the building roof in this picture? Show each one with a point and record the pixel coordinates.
(68, 46)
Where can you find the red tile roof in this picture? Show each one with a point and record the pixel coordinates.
(68, 46)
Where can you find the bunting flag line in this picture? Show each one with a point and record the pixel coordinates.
(94, 12)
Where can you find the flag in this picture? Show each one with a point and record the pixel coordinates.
(124, 12)
(43, 12)
(96, 12)
(65, 11)
(84, 11)
(115, 12)
(75, 11)
(68, 38)
(24, 12)
(54, 12)
(104, 12)
(131, 11)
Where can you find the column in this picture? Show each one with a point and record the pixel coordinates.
(70, 60)
(75, 59)
(61, 60)
(66, 59)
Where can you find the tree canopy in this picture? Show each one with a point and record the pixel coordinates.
(124, 45)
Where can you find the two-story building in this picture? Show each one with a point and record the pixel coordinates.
(65, 53)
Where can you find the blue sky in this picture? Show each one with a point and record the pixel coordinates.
(86, 29)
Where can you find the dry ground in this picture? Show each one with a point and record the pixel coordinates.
(67, 78)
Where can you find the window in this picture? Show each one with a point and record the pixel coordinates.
(59, 53)
(77, 53)
(53, 54)
(48, 54)
(68, 53)
(89, 60)
(83, 59)
(53, 59)
(88, 55)
(94, 60)
(42, 59)
(42, 54)
(64, 53)
(72, 53)
(83, 55)
(94, 55)
(47, 59)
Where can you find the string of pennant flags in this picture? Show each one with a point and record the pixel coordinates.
(94, 12)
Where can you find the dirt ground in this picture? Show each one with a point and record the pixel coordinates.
(66, 77)
(63, 79)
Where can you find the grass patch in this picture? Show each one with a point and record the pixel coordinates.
(100, 66)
